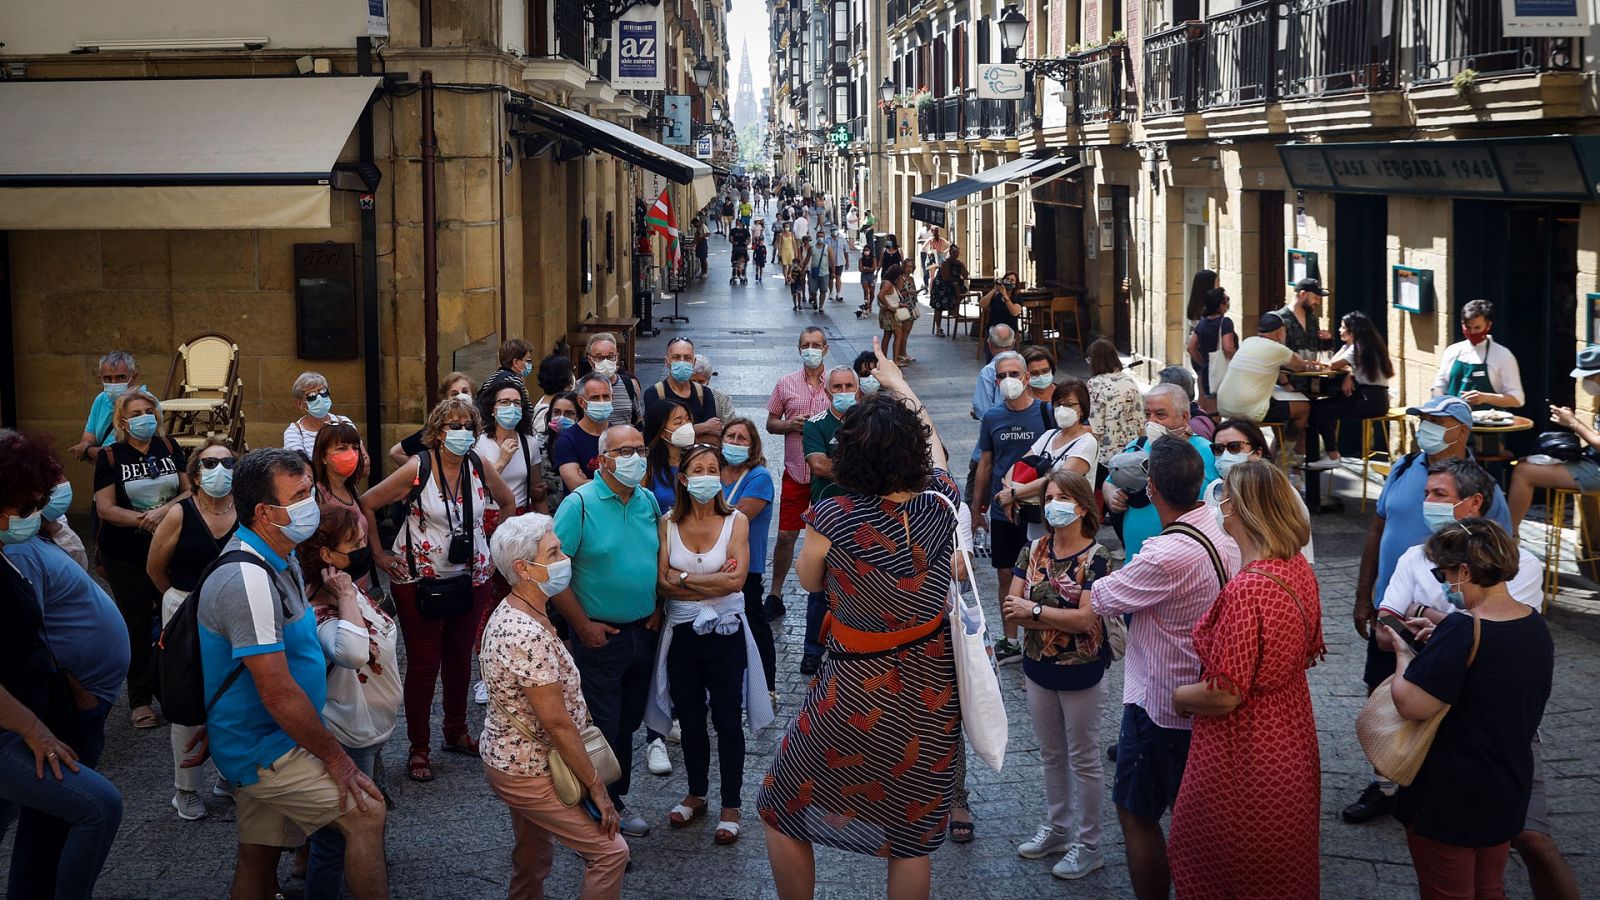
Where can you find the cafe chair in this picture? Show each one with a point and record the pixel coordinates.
(1585, 552)
(1379, 455)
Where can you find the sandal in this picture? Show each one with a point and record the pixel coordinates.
(418, 768)
(962, 832)
(726, 834)
(680, 815)
(463, 744)
(145, 717)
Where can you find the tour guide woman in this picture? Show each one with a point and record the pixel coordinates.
(862, 768)
(433, 549)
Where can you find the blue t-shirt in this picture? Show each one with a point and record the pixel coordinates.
(1138, 525)
(984, 395)
(579, 446)
(99, 423)
(244, 612)
(757, 483)
(1007, 434)
(1400, 508)
(81, 622)
(665, 486)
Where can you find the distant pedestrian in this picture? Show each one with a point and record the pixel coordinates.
(702, 249)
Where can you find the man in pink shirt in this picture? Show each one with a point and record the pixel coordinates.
(797, 397)
(1166, 588)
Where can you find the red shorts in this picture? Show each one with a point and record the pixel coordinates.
(794, 503)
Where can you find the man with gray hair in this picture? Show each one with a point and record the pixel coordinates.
(985, 394)
(1200, 422)
(702, 376)
(1166, 414)
(118, 372)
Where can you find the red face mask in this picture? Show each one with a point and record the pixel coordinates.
(1476, 339)
(344, 462)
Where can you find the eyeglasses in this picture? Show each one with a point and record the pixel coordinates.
(315, 394)
(625, 452)
(1233, 447)
(458, 426)
(211, 462)
(507, 403)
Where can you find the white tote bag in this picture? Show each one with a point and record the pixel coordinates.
(983, 710)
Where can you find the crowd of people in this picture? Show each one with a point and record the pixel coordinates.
(495, 543)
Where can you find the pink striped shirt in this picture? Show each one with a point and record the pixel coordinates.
(794, 396)
(1168, 585)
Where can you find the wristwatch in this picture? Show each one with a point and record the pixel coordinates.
(1037, 609)
(683, 579)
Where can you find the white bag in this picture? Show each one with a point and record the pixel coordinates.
(983, 710)
(1216, 369)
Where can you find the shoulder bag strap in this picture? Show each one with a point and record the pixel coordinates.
(1188, 530)
(1293, 595)
(972, 579)
(1477, 635)
(527, 465)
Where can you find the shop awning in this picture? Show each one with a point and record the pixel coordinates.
(625, 145)
(1550, 167)
(174, 153)
(933, 206)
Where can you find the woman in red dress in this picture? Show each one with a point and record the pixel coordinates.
(1246, 821)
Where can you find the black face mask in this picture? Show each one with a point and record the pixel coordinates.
(360, 562)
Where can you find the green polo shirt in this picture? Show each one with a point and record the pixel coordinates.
(818, 437)
(613, 548)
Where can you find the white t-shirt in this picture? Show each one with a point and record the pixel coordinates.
(1085, 447)
(364, 681)
(1247, 388)
(802, 227)
(515, 474)
(1347, 353)
(297, 438)
(1413, 584)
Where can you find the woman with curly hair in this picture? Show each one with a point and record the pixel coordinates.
(865, 769)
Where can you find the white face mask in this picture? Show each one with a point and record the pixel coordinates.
(1011, 388)
(1155, 431)
(1215, 500)
(1066, 417)
(1228, 460)
(683, 435)
(606, 368)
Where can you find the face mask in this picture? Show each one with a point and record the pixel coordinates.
(1453, 595)
(682, 436)
(219, 481)
(114, 390)
(1437, 513)
(1228, 460)
(508, 416)
(735, 454)
(682, 371)
(22, 528)
(557, 576)
(143, 427)
(1011, 388)
(843, 402)
(1431, 437)
(319, 405)
(459, 440)
(704, 487)
(1476, 339)
(304, 517)
(811, 357)
(343, 462)
(1060, 512)
(1040, 382)
(60, 499)
(1213, 501)
(560, 423)
(598, 410)
(606, 368)
(462, 395)
(630, 470)
(1591, 387)
(1155, 431)
(1066, 417)
(869, 384)
(360, 562)
(527, 369)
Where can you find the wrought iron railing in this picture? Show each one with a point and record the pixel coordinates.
(1172, 70)
(1024, 111)
(1101, 84)
(945, 123)
(1334, 46)
(858, 128)
(1240, 57)
(1448, 37)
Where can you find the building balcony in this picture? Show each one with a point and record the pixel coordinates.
(1100, 85)
(1172, 67)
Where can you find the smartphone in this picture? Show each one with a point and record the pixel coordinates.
(587, 803)
(1399, 626)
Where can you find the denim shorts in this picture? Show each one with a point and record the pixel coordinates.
(1150, 761)
(1586, 472)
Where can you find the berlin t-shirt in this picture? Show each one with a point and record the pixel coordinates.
(143, 481)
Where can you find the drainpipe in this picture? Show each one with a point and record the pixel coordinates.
(371, 347)
(8, 340)
(430, 242)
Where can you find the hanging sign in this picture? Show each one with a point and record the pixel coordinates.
(636, 50)
(702, 147)
(378, 18)
(676, 108)
(1001, 81)
(1545, 18)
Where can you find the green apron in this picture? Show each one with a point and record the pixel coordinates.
(1467, 376)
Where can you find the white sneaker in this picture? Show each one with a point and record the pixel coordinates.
(656, 755)
(480, 694)
(1046, 840)
(189, 805)
(676, 734)
(1078, 862)
(1323, 464)
(223, 788)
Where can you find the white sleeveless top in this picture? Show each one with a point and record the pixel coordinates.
(429, 523)
(707, 563)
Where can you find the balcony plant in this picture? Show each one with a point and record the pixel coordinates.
(1465, 82)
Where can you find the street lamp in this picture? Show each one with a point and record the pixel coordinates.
(702, 72)
(1013, 28)
(886, 90)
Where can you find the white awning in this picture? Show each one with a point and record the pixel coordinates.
(174, 153)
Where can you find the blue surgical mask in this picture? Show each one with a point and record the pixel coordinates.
(735, 454)
(115, 390)
(527, 369)
(869, 384)
(1437, 513)
(21, 528)
(558, 575)
(319, 405)
(843, 402)
(1454, 596)
(508, 416)
(630, 470)
(459, 440)
(561, 423)
(60, 499)
(598, 410)
(1040, 382)
(304, 517)
(1060, 512)
(216, 482)
(1431, 437)
(682, 371)
(142, 427)
(811, 357)
(704, 487)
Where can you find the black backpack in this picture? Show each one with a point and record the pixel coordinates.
(180, 683)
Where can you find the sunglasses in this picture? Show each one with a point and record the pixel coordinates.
(211, 462)
(1233, 447)
(458, 426)
(315, 394)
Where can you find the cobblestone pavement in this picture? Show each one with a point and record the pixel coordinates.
(451, 838)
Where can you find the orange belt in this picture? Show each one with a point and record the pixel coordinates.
(854, 640)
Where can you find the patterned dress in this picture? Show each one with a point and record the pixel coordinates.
(1246, 820)
(869, 763)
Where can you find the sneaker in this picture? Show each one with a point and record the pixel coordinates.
(1372, 803)
(1078, 862)
(656, 754)
(676, 734)
(1045, 841)
(634, 826)
(223, 788)
(1323, 464)
(774, 608)
(810, 664)
(189, 805)
(480, 694)
(1007, 651)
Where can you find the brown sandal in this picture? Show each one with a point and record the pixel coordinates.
(462, 744)
(418, 768)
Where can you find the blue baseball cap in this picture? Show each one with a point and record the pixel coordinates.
(1455, 407)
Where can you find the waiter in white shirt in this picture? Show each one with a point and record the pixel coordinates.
(1478, 370)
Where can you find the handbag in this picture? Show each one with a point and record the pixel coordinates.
(441, 598)
(1396, 745)
(570, 789)
(983, 709)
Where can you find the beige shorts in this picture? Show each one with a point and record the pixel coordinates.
(294, 797)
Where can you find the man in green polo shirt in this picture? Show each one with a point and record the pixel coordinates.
(817, 443)
(608, 527)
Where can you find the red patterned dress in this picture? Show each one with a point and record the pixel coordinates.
(1246, 821)
(868, 765)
